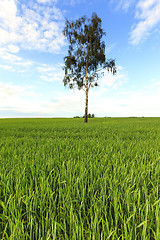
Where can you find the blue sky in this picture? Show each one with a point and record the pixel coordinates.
(32, 49)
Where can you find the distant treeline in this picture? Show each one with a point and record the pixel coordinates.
(89, 116)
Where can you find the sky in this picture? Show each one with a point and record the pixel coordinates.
(32, 51)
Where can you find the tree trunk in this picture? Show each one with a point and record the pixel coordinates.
(86, 107)
(86, 103)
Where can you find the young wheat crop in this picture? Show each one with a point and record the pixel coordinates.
(62, 179)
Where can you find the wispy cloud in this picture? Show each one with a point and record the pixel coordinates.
(13, 60)
(122, 4)
(46, 1)
(73, 2)
(147, 17)
(111, 47)
(50, 73)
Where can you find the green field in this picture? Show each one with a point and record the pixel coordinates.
(63, 179)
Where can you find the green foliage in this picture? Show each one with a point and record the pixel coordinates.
(61, 179)
(86, 52)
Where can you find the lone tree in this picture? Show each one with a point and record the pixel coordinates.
(86, 55)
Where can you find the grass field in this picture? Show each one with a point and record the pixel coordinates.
(63, 179)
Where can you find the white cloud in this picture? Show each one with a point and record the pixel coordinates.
(15, 98)
(102, 102)
(126, 103)
(24, 100)
(6, 67)
(8, 11)
(13, 48)
(37, 27)
(148, 17)
(4, 54)
(51, 74)
(116, 80)
(155, 84)
(8, 91)
(13, 59)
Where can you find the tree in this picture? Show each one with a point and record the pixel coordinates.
(86, 55)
